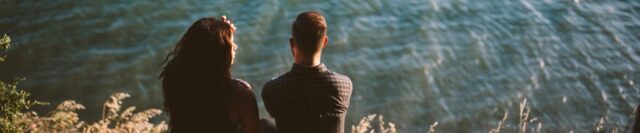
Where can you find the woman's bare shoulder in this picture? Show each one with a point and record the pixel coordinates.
(241, 84)
(243, 88)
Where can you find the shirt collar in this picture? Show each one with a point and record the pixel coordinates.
(318, 68)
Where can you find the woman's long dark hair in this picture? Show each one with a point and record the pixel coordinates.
(196, 80)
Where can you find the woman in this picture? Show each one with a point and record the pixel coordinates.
(199, 93)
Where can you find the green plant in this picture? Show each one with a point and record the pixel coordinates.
(12, 103)
(5, 42)
(12, 100)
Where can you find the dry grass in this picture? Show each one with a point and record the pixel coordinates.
(365, 125)
(432, 128)
(65, 119)
(526, 123)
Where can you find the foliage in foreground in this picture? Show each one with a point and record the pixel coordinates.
(365, 125)
(526, 123)
(65, 119)
(14, 101)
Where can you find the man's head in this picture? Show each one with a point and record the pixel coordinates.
(308, 34)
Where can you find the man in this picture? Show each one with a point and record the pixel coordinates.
(309, 98)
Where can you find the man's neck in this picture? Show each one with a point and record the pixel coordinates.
(308, 62)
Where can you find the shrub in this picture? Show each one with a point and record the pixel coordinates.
(14, 101)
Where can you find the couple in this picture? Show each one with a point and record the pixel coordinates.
(201, 96)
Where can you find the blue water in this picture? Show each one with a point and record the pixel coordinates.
(462, 63)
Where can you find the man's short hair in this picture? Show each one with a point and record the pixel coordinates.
(308, 31)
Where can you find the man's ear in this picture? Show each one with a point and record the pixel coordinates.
(326, 39)
(292, 45)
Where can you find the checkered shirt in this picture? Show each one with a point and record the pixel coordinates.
(308, 100)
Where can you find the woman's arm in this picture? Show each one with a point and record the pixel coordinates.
(248, 110)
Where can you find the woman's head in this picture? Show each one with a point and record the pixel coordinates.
(208, 40)
(196, 80)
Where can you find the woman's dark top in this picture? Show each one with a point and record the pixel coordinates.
(226, 124)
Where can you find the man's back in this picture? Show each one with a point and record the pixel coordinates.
(308, 99)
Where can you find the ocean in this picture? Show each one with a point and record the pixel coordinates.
(461, 63)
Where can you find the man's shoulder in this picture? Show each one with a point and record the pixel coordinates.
(340, 77)
(286, 78)
(275, 80)
(279, 78)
